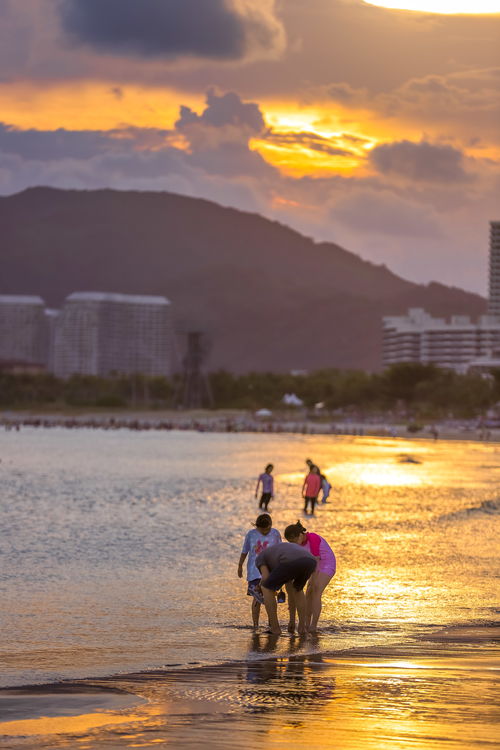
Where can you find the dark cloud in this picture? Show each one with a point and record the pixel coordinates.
(217, 143)
(53, 145)
(42, 145)
(311, 141)
(171, 28)
(219, 137)
(222, 110)
(422, 161)
(231, 159)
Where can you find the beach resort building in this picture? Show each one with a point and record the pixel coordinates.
(494, 296)
(23, 329)
(104, 333)
(418, 337)
(458, 344)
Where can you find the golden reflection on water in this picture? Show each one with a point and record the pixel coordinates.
(383, 474)
(63, 724)
(342, 703)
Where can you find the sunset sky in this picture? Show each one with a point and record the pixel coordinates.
(375, 127)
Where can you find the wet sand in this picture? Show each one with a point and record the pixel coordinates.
(439, 692)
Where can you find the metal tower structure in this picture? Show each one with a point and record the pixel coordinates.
(193, 389)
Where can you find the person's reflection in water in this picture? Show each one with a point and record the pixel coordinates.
(262, 670)
(288, 682)
(263, 643)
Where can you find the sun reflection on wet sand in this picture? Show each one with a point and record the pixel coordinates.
(383, 474)
(63, 724)
(345, 701)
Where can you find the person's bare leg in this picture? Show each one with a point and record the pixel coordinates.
(309, 599)
(291, 606)
(318, 582)
(270, 602)
(255, 613)
(300, 602)
(271, 609)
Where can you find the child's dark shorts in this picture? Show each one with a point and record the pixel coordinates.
(299, 571)
(252, 585)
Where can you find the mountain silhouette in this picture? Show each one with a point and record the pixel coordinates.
(267, 297)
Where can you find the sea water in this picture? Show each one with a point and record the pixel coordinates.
(119, 549)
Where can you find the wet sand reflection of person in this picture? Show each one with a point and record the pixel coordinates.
(299, 681)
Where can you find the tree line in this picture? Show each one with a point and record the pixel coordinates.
(422, 391)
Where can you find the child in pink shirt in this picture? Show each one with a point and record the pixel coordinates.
(311, 488)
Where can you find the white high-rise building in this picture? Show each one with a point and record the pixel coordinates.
(458, 344)
(418, 337)
(51, 320)
(103, 333)
(494, 298)
(23, 329)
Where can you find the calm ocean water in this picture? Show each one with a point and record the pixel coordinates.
(119, 550)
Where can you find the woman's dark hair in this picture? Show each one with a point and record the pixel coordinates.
(269, 466)
(293, 531)
(263, 521)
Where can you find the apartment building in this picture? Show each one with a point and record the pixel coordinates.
(23, 329)
(105, 333)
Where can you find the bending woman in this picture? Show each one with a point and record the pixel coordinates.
(319, 580)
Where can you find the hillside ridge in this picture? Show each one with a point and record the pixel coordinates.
(268, 297)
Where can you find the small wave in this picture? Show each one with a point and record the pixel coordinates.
(487, 508)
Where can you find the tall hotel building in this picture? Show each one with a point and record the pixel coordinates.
(23, 329)
(418, 337)
(102, 334)
(494, 300)
(458, 344)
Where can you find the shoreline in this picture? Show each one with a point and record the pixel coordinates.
(438, 638)
(236, 421)
(176, 705)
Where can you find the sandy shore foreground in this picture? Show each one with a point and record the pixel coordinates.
(434, 694)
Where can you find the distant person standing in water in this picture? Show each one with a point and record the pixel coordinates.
(325, 484)
(257, 540)
(311, 488)
(325, 487)
(267, 482)
(311, 463)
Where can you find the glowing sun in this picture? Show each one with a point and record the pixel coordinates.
(450, 7)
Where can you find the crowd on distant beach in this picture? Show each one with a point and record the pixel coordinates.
(240, 423)
(305, 558)
(215, 424)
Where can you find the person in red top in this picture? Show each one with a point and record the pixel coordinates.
(311, 488)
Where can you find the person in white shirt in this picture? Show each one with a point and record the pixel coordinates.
(256, 541)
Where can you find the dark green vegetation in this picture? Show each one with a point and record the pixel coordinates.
(411, 390)
(268, 298)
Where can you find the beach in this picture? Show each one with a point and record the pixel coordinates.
(239, 420)
(125, 624)
(426, 695)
